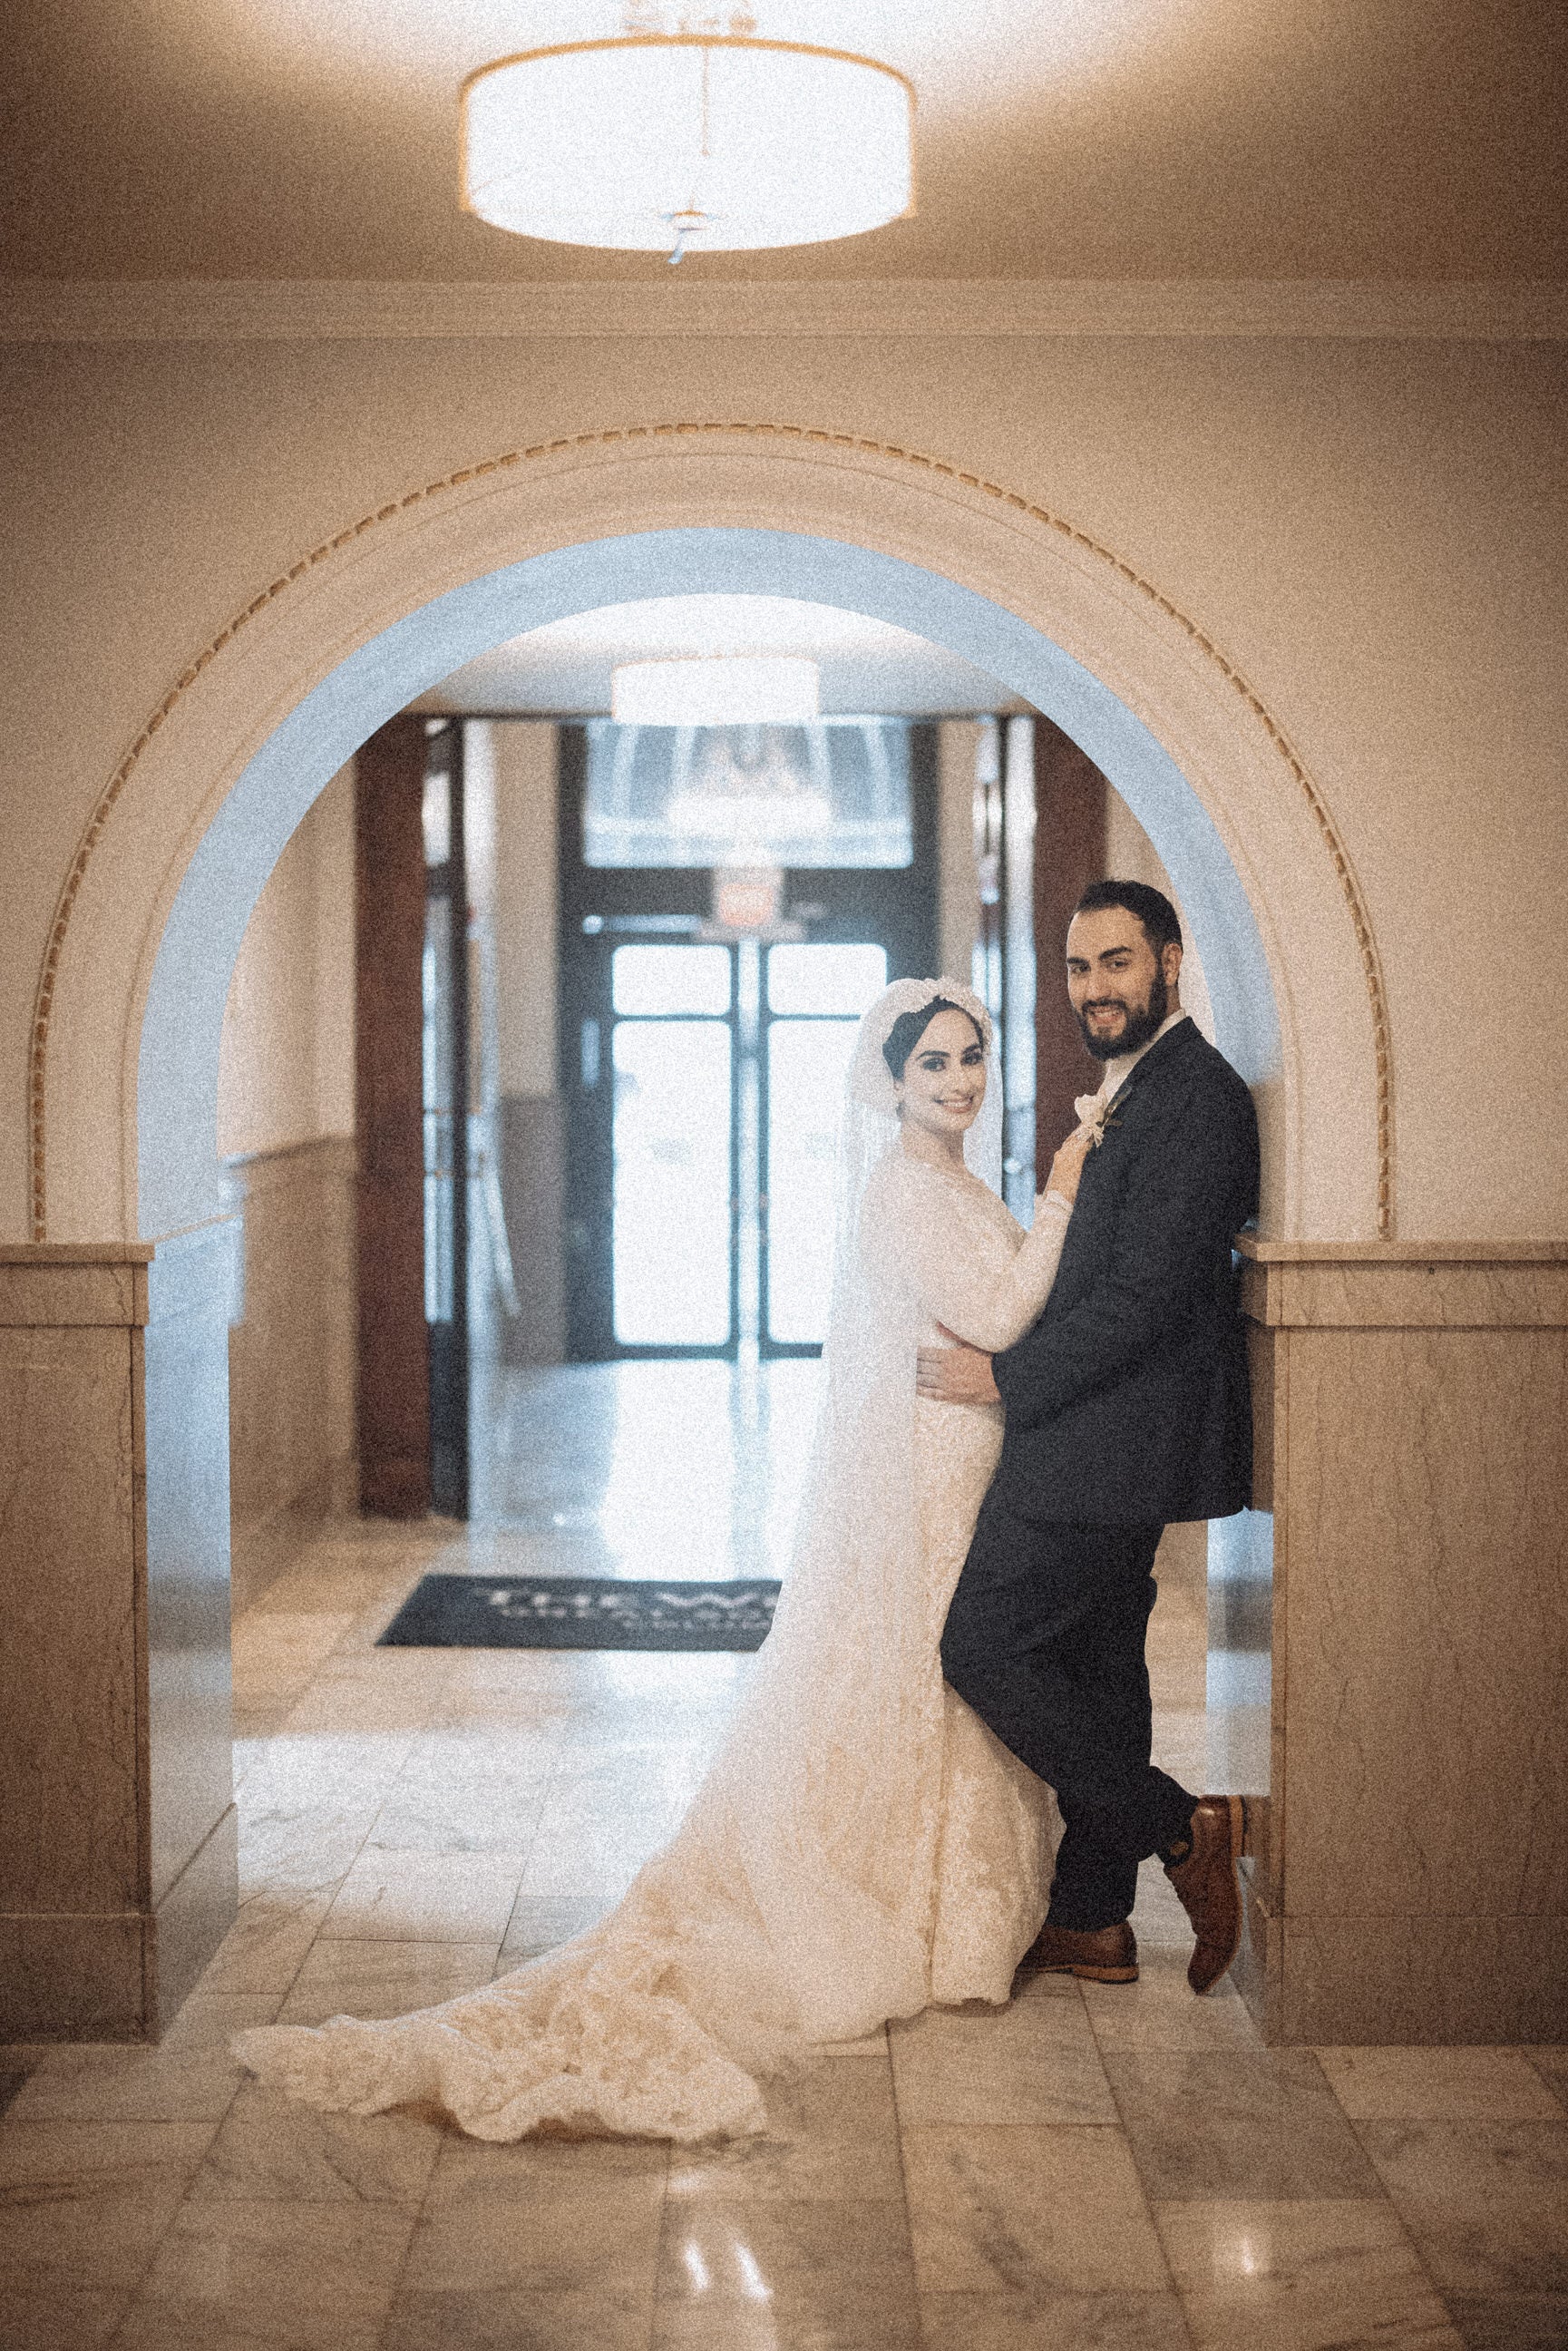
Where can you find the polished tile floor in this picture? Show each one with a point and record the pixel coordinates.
(1122, 2167)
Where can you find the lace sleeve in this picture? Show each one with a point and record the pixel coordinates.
(923, 1232)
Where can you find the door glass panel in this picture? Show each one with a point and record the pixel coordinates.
(671, 979)
(805, 1064)
(819, 980)
(672, 1176)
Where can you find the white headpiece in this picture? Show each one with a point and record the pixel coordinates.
(871, 1081)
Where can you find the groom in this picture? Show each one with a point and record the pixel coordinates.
(1126, 1409)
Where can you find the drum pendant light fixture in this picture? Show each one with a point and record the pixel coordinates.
(664, 142)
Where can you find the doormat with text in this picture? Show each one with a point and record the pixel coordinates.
(580, 1612)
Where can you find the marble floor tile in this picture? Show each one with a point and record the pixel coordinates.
(367, 1697)
(374, 1979)
(1485, 2201)
(59, 2317)
(581, 1849)
(1510, 2322)
(482, 1753)
(260, 1718)
(502, 1817)
(1162, 2012)
(87, 2081)
(1032, 2062)
(270, 2277)
(519, 2320)
(284, 1645)
(265, 1949)
(271, 2148)
(543, 1922)
(829, 2312)
(209, 2019)
(1053, 2322)
(415, 1897)
(816, 2272)
(1551, 2064)
(83, 2204)
(299, 1849)
(298, 1771)
(1301, 2276)
(1258, 2123)
(1028, 2211)
(832, 2132)
(1439, 2085)
(556, 2216)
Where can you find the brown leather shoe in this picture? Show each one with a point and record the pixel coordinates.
(1106, 1955)
(1209, 1888)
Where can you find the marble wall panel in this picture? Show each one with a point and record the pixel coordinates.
(66, 1296)
(1425, 1541)
(1438, 1981)
(1399, 1285)
(73, 1977)
(71, 1833)
(191, 1291)
(1410, 1879)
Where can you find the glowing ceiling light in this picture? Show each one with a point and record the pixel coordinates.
(653, 142)
(716, 690)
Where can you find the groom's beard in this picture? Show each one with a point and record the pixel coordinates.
(1142, 1022)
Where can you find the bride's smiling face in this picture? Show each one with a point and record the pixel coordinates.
(945, 1077)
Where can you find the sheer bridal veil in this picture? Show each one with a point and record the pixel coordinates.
(853, 1658)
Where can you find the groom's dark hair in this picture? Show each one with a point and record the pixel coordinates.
(1162, 926)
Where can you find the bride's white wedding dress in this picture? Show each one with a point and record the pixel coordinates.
(862, 1845)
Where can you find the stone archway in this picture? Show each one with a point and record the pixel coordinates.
(132, 1003)
(131, 1000)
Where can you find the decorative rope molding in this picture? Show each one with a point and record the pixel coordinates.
(1372, 972)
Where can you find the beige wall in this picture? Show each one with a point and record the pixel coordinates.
(1370, 530)
(286, 1072)
(286, 1120)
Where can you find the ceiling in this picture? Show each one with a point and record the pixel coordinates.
(1058, 139)
(867, 667)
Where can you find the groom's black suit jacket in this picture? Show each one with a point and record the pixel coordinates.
(1127, 1402)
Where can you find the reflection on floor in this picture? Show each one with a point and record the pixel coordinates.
(1122, 2167)
(645, 1468)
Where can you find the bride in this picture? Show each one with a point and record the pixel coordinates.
(862, 1845)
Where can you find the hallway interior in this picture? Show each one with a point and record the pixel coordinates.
(1124, 2168)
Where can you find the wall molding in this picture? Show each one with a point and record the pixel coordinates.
(1230, 679)
(40, 310)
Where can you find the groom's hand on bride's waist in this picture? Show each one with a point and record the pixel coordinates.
(955, 1373)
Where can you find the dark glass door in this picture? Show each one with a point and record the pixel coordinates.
(445, 1045)
(703, 1072)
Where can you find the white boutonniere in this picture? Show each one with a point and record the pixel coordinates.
(1095, 1112)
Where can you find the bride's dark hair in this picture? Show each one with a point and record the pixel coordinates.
(910, 1027)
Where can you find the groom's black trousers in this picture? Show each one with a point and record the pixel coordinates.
(1045, 1640)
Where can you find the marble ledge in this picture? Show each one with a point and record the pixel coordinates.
(1406, 1285)
(88, 1285)
(1259, 1251)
